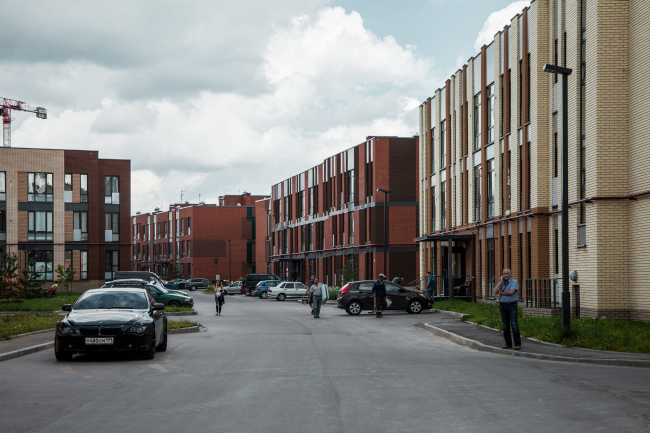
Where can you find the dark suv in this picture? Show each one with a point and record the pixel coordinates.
(197, 283)
(252, 280)
(357, 296)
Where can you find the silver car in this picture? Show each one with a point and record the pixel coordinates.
(233, 288)
(287, 290)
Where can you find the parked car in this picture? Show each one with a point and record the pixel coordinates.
(160, 294)
(252, 279)
(112, 320)
(234, 288)
(287, 290)
(262, 288)
(356, 296)
(138, 283)
(197, 283)
(179, 282)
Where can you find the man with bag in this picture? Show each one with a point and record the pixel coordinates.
(316, 297)
(379, 295)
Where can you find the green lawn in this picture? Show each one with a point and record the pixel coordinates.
(599, 334)
(178, 309)
(179, 324)
(24, 323)
(40, 304)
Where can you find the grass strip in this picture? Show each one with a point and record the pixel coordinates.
(180, 324)
(24, 323)
(598, 334)
(178, 309)
(39, 304)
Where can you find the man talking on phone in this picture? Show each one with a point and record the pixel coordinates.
(508, 288)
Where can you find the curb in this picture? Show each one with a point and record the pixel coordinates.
(473, 344)
(26, 351)
(33, 333)
(191, 330)
(182, 313)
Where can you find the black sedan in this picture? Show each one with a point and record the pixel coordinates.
(356, 296)
(112, 320)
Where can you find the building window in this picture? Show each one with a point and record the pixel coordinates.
(39, 226)
(84, 265)
(67, 188)
(112, 264)
(490, 188)
(189, 225)
(351, 227)
(490, 266)
(182, 249)
(112, 229)
(477, 193)
(41, 265)
(477, 121)
(83, 188)
(433, 208)
(351, 186)
(3, 190)
(112, 195)
(39, 187)
(433, 151)
(443, 144)
(490, 114)
(80, 226)
(443, 216)
(182, 226)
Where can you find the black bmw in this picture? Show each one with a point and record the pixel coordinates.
(357, 296)
(112, 320)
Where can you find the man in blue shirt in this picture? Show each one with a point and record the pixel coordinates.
(508, 288)
(431, 285)
(379, 295)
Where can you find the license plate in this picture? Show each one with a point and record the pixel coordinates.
(99, 341)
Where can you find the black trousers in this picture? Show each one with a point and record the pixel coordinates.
(219, 304)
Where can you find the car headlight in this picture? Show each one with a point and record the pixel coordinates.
(137, 329)
(423, 295)
(66, 330)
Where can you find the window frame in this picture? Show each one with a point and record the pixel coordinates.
(48, 197)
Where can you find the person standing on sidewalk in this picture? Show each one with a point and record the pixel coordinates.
(316, 297)
(219, 299)
(379, 295)
(508, 288)
(431, 285)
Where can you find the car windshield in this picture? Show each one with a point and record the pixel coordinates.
(108, 300)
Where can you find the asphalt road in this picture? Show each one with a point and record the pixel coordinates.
(268, 366)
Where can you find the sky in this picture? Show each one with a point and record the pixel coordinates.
(215, 97)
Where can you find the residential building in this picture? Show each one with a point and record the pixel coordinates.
(193, 239)
(333, 213)
(490, 158)
(65, 207)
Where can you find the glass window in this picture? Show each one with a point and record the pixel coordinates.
(490, 188)
(84, 265)
(433, 153)
(112, 264)
(39, 226)
(83, 188)
(443, 144)
(80, 226)
(3, 226)
(443, 216)
(112, 229)
(112, 195)
(490, 114)
(39, 187)
(41, 265)
(3, 191)
(477, 193)
(477, 121)
(188, 249)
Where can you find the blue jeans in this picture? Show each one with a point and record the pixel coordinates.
(509, 318)
(317, 300)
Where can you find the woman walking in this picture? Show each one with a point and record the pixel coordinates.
(219, 298)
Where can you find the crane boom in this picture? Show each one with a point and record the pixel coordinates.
(6, 105)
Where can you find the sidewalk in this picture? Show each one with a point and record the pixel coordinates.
(26, 344)
(448, 325)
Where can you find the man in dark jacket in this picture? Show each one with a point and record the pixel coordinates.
(379, 295)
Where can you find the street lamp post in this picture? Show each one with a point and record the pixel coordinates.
(229, 261)
(385, 223)
(566, 297)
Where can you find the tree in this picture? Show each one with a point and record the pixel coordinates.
(65, 276)
(175, 274)
(9, 274)
(349, 272)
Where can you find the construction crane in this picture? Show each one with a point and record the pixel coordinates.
(6, 105)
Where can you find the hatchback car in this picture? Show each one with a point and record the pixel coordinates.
(356, 296)
(160, 294)
(287, 290)
(234, 288)
(262, 288)
(197, 283)
(112, 320)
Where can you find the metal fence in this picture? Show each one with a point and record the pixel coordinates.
(541, 293)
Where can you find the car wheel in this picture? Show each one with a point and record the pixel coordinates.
(353, 308)
(163, 345)
(251, 292)
(414, 307)
(282, 297)
(264, 295)
(151, 352)
(193, 288)
(174, 304)
(62, 356)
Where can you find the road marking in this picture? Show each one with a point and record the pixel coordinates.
(158, 367)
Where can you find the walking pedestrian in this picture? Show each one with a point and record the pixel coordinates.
(309, 302)
(431, 285)
(379, 295)
(219, 299)
(508, 288)
(316, 297)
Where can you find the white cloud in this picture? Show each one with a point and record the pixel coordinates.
(497, 21)
(329, 82)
